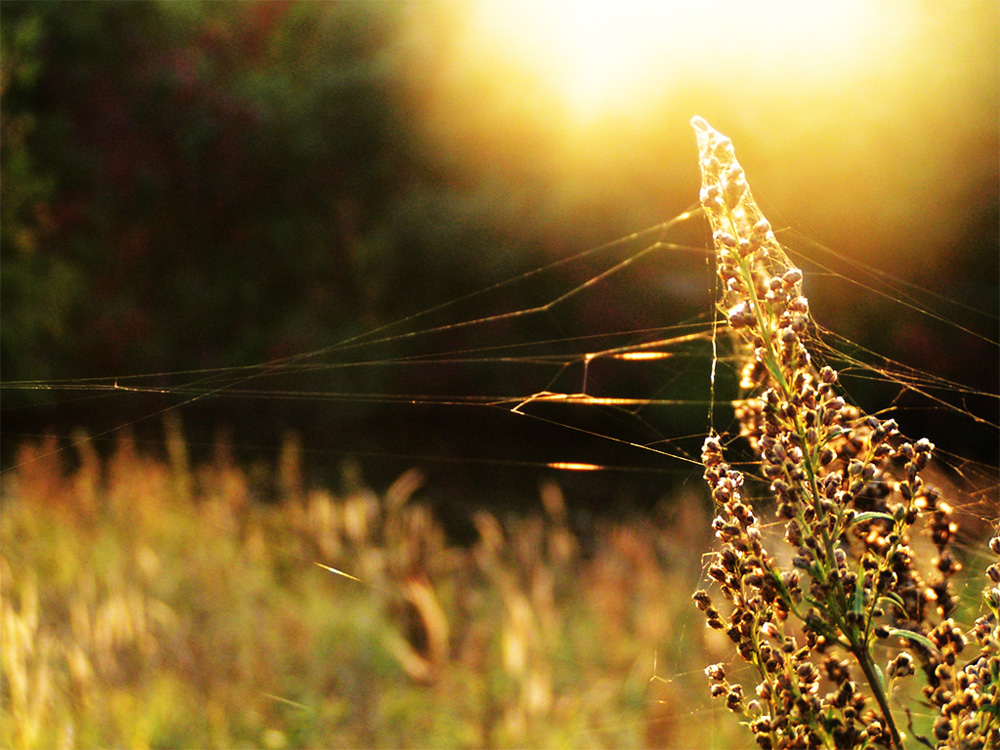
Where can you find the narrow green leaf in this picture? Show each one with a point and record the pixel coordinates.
(910, 635)
(869, 515)
(881, 677)
(858, 604)
(893, 597)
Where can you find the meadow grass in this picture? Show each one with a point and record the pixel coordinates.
(150, 603)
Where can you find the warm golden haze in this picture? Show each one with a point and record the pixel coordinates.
(598, 59)
(891, 107)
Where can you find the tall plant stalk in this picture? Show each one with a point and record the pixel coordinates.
(849, 490)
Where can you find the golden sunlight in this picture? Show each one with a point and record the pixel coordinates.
(597, 57)
(586, 102)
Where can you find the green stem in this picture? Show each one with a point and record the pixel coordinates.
(864, 658)
(857, 639)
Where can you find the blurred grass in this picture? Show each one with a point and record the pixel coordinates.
(149, 603)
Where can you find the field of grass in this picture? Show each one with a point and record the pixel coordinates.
(149, 603)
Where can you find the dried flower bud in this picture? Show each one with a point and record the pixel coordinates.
(740, 316)
(799, 305)
(725, 238)
(792, 277)
(901, 665)
(715, 672)
(735, 698)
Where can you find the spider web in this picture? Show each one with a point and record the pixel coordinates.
(637, 399)
(539, 361)
(556, 387)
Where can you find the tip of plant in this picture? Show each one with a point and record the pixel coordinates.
(700, 123)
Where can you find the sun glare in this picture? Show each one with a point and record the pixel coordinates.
(597, 57)
(586, 101)
(591, 55)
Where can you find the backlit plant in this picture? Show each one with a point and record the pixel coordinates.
(814, 619)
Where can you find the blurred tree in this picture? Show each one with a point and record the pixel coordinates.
(37, 289)
(200, 185)
(218, 172)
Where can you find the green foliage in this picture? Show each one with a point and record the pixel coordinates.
(37, 290)
(210, 179)
(205, 185)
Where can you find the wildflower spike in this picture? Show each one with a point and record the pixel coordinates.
(847, 489)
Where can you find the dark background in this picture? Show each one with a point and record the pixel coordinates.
(196, 187)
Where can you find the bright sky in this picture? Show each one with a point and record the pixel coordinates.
(601, 55)
(889, 107)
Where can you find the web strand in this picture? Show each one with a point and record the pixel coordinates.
(687, 346)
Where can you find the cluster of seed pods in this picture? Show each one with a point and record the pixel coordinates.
(850, 492)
